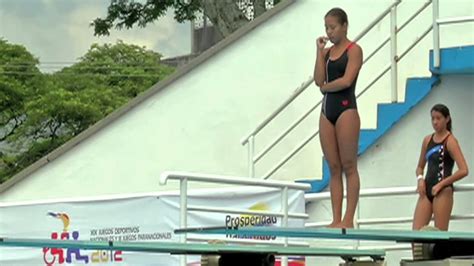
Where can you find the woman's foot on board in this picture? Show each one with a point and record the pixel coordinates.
(346, 224)
(334, 224)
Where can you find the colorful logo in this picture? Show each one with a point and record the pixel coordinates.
(58, 256)
(63, 217)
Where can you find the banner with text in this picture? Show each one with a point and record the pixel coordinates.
(139, 218)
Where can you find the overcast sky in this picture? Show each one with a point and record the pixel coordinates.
(58, 30)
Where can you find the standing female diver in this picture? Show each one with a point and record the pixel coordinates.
(440, 149)
(335, 72)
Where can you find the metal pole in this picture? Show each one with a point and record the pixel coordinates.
(376, 21)
(282, 107)
(251, 154)
(183, 209)
(436, 55)
(357, 224)
(393, 54)
(284, 220)
(192, 36)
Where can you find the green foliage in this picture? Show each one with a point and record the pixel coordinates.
(126, 13)
(225, 15)
(39, 112)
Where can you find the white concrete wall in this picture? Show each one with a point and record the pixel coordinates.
(392, 161)
(197, 122)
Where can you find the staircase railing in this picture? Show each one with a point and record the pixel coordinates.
(437, 22)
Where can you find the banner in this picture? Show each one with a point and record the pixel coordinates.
(135, 218)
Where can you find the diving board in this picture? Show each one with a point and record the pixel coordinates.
(441, 244)
(407, 236)
(193, 248)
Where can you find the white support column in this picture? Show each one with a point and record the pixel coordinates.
(183, 218)
(251, 144)
(436, 55)
(284, 220)
(393, 54)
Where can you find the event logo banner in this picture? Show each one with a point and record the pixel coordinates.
(140, 218)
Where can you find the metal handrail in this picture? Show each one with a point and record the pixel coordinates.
(372, 221)
(377, 20)
(249, 212)
(390, 191)
(446, 21)
(290, 155)
(438, 22)
(410, 19)
(231, 180)
(402, 55)
(285, 133)
(185, 177)
(383, 192)
(280, 108)
(435, 33)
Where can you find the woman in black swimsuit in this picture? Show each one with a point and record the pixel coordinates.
(440, 149)
(335, 72)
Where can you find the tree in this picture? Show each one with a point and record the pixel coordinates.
(17, 85)
(13, 96)
(19, 81)
(224, 14)
(53, 108)
(125, 68)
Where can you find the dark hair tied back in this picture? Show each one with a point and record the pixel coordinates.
(339, 13)
(444, 110)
